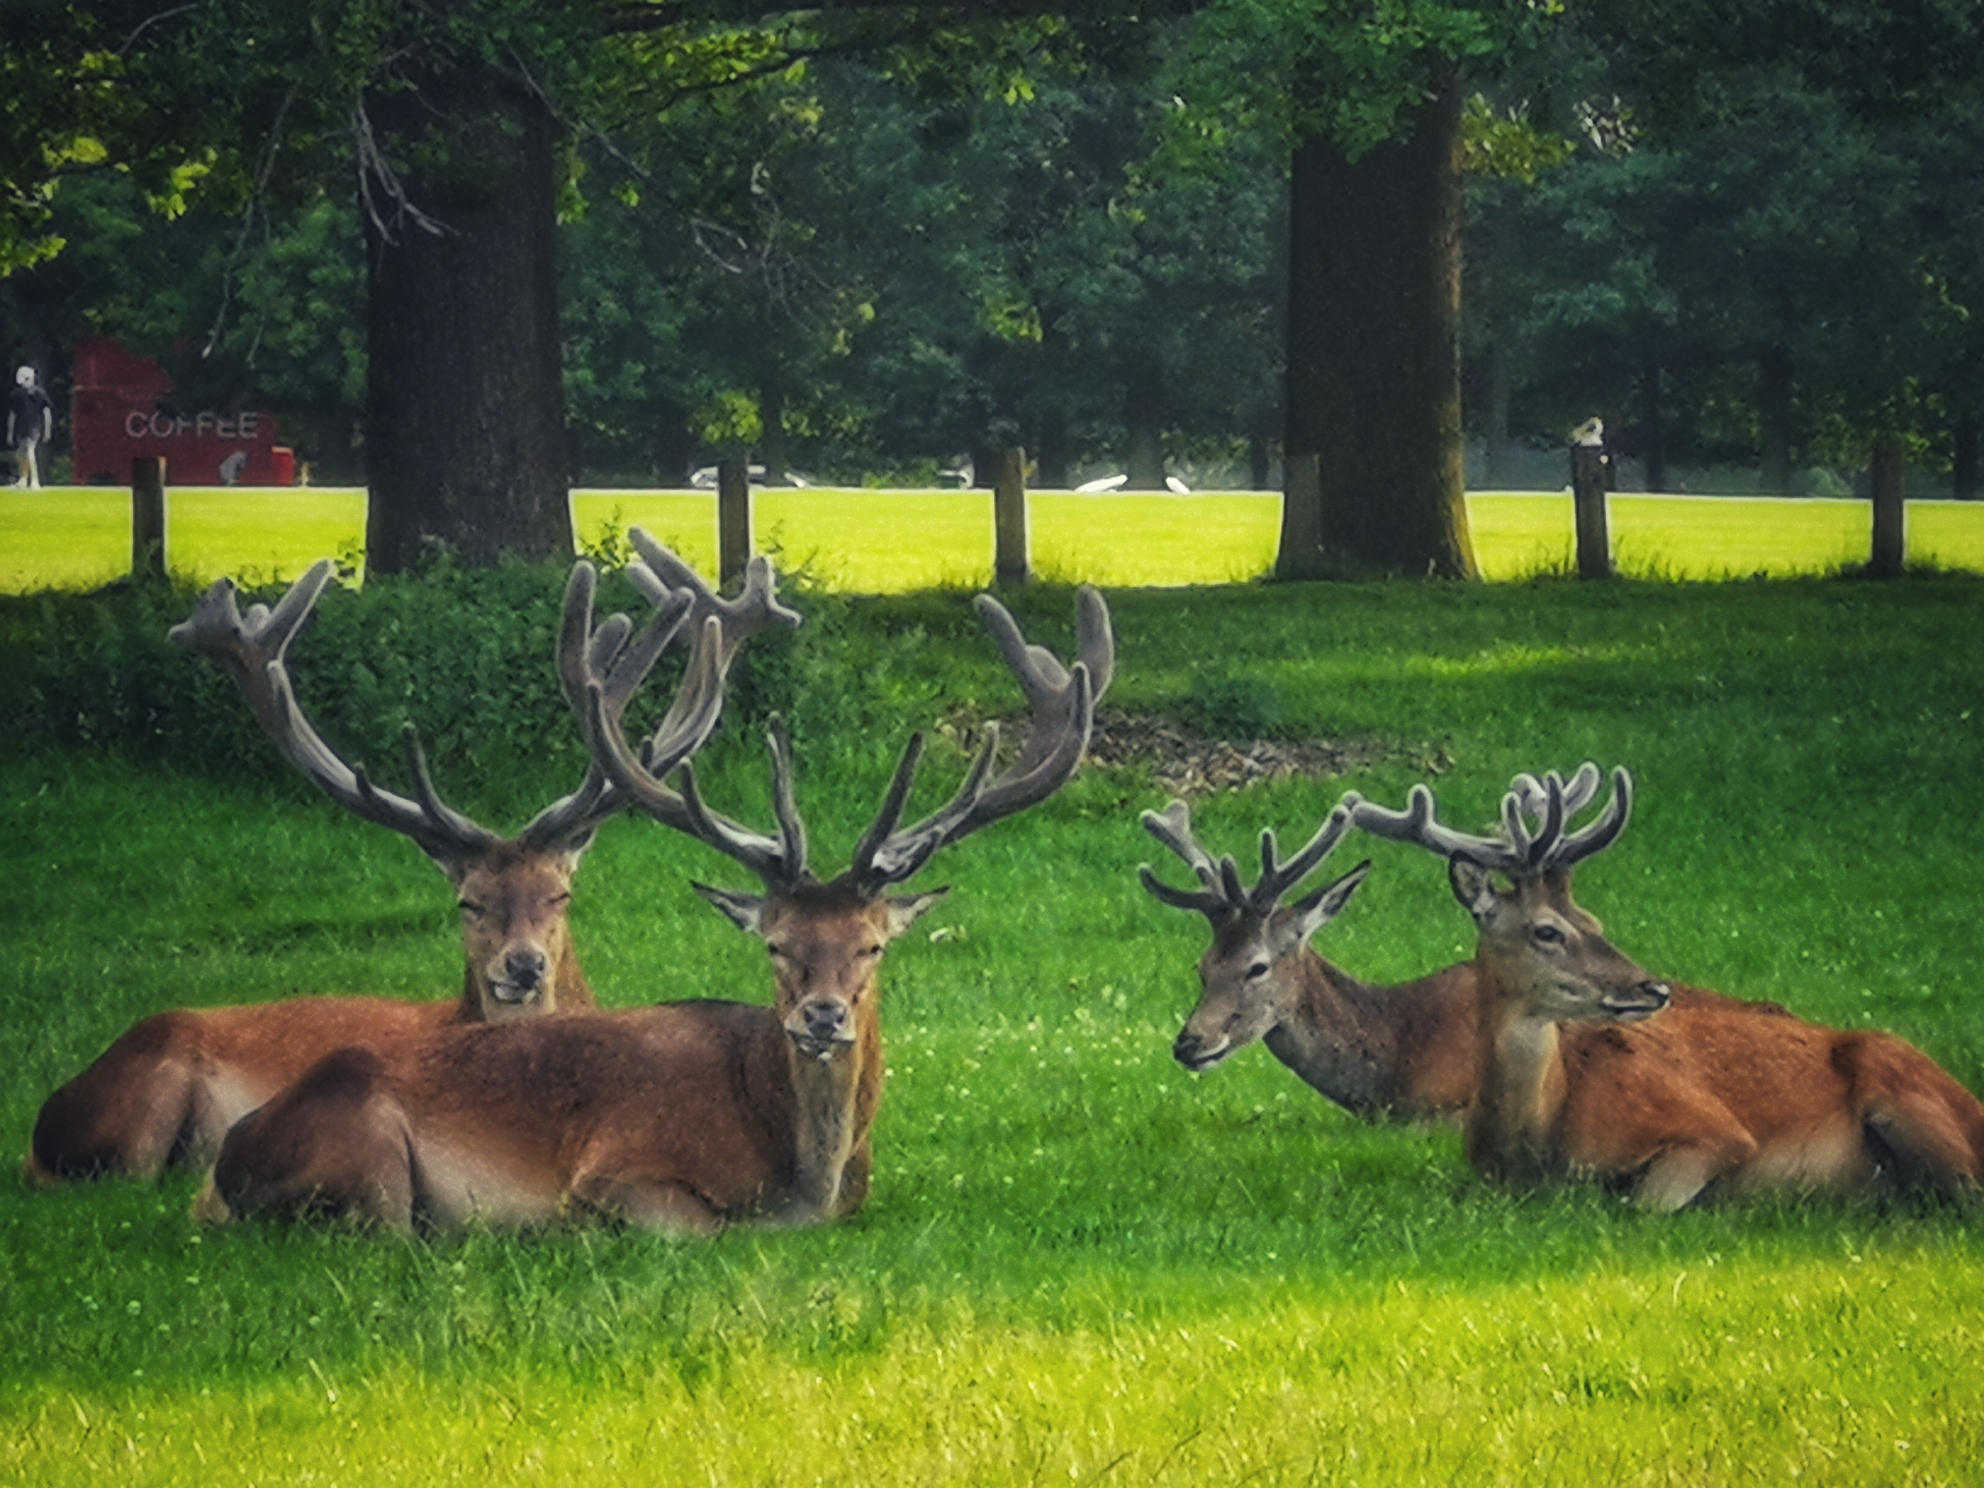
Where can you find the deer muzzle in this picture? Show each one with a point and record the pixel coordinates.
(522, 976)
(1638, 1002)
(1197, 1053)
(820, 1025)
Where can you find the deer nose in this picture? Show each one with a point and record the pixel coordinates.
(824, 1019)
(524, 968)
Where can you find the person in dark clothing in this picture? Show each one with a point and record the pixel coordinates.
(30, 421)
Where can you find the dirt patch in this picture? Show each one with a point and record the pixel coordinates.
(1190, 763)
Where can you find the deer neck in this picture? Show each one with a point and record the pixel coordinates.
(1341, 1039)
(835, 1098)
(1519, 1095)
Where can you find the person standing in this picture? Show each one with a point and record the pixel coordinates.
(30, 421)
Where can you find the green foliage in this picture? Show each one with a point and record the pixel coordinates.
(464, 657)
(1229, 706)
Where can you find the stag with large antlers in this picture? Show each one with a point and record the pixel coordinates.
(684, 1116)
(166, 1091)
(1587, 1071)
(1403, 1052)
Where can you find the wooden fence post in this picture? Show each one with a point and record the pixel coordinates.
(1890, 553)
(1012, 562)
(1588, 500)
(148, 517)
(733, 519)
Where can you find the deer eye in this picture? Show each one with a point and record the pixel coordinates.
(1548, 935)
(868, 952)
(1258, 970)
(473, 910)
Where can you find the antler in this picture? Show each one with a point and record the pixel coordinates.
(1220, 892)
(1064, 712)
(1063, 701)
(607, 660)
(251, 650)
(1534, 812)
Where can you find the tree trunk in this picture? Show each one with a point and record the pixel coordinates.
(1373, 354)
(1774, 409)
(1890, 545)
(1143, 419)
(672, 444)
(1050, 442)
(1653, 418)
(1963, 458)
(1501, 394)
(771, 415)
(465, 406)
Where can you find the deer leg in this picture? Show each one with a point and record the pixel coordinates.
(666, 1205)
(1926, 1144)
(132, 1112)
(1929, 1129)
(334, 1144)
(1706, 1145)
(1679, 1176)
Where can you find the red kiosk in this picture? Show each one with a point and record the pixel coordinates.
(114, 416)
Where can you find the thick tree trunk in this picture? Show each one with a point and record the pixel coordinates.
(465, 409)
(1890, 545)
(1373, 355)
(1774, 410)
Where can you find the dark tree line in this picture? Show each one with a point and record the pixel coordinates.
(498, 244)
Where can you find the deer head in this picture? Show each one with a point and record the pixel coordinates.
(1541, 956)
(888, 853)
(1252, 977)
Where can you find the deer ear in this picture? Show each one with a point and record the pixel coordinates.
(1474, 887)
(1319, 908)
(906, 909)
(745, 911)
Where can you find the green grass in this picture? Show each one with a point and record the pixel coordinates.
(874, 542)
(1079, 1263)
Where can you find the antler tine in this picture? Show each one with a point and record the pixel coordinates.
(616, 658)
(1046, 683)
(1173, 827)
(1600, 834)
(1277, 880)
(662, 571)
(1417, 825)
(253, 652)
(1525, 854)
(757, 606)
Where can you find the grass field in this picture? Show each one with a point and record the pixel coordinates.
(1079, 1264)
(872, 542)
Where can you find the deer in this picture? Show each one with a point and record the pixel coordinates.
(1590, 1068)
(681, 1117)
(1403, 1052)
(165, 1092)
